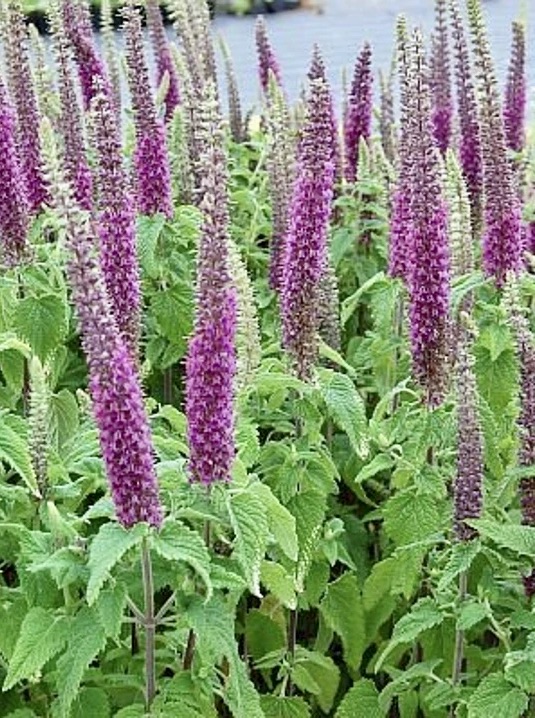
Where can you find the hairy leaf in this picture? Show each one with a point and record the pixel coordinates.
(248, 517)
(495, 696)
(346, 407)
(177, 542)
(361, 701)
(343, 611)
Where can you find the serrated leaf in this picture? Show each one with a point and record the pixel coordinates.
(423, 616)
(361, 701)
(471, 613)
(42, 322)
(282, 707)
(91, 702)
(177, 542)
(343, 611)
(107, 548)
(309, 510)
(14, 452)
(495, 696)
(325, 674)
(42, 635)
(350, 304)
(281, 522)
(248, 517)
(462, 555)
(86, 640)
(110, 607)
(411, 517)
(148, 232)
(278, 582)
(381, 462)
(346, 407)
(519, 666)
(64, 417)
(520, 539)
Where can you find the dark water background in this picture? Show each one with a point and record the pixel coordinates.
(345, 25)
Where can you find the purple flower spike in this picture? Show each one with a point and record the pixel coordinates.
(440, 80)
(152, 171)
(22, 92)
(468, 485)
(14, 220)
(117, 399)
(306, 242)
(504, 238)
(211, 360)
(470, 134)
(267, 61)
(429, 283)
(116, 225)
(514, 110)
(358, 121)
(164, 60)
(90, 66)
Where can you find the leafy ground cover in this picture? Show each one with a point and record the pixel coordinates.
(267, 388)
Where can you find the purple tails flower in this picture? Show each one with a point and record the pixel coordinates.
(25, 102)
(80, 34)
(211, 361)
(400, 217)
(467, 488)
(306, 242)
(358, 121)
(14, 220)
(441, 80)
(267, 61)
(514, 109)
(470, 134)
(70, 120)
(164, 60)
(429, 283)
(116, 224)
(152, 171)
(503, 242)
(114, 386)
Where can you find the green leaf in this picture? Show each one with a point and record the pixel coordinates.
(460, 560)
(177, 542)
(281, 522)
(520, 666)
(278, 582)
(42, 322)
(471, 613)
(107, 548)
(349, 305)
(264, 635)
(423, 616)
(309, 509)
(520, 539)
(42, 636)
(248, 517)
(346, 407)
(361, 701)
(379, 463)
(14, 451)
(343, 611)
(91, 702)
(323, 673)
(64, 417)
(281, 707)
(110, 607)
(148, 232)
(411, 517)
(86, 640)
(495, 696)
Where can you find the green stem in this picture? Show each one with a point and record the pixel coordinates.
(292, 642)
(458, 655)
(149, 624)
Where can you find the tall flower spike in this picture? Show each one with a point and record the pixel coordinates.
(22, 92)
(460, 231)
(468, 484)
(111, 55)
(469, 129)
(387, 120)
(211, 360)
(514, 106)
(441, 79)
(429, 284)
(165, 65)
(400, 216)
(14, 220)
(201, 27)
(43, 76)
(77, 27)
(358, 121)
(38, 422)
(70, 119)
(116, 224)
(237, 127)
(503, 241)
(306, 242)
(267, 61)
(280, 166)
(152, 171)
(525, 349)
(117, 399)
